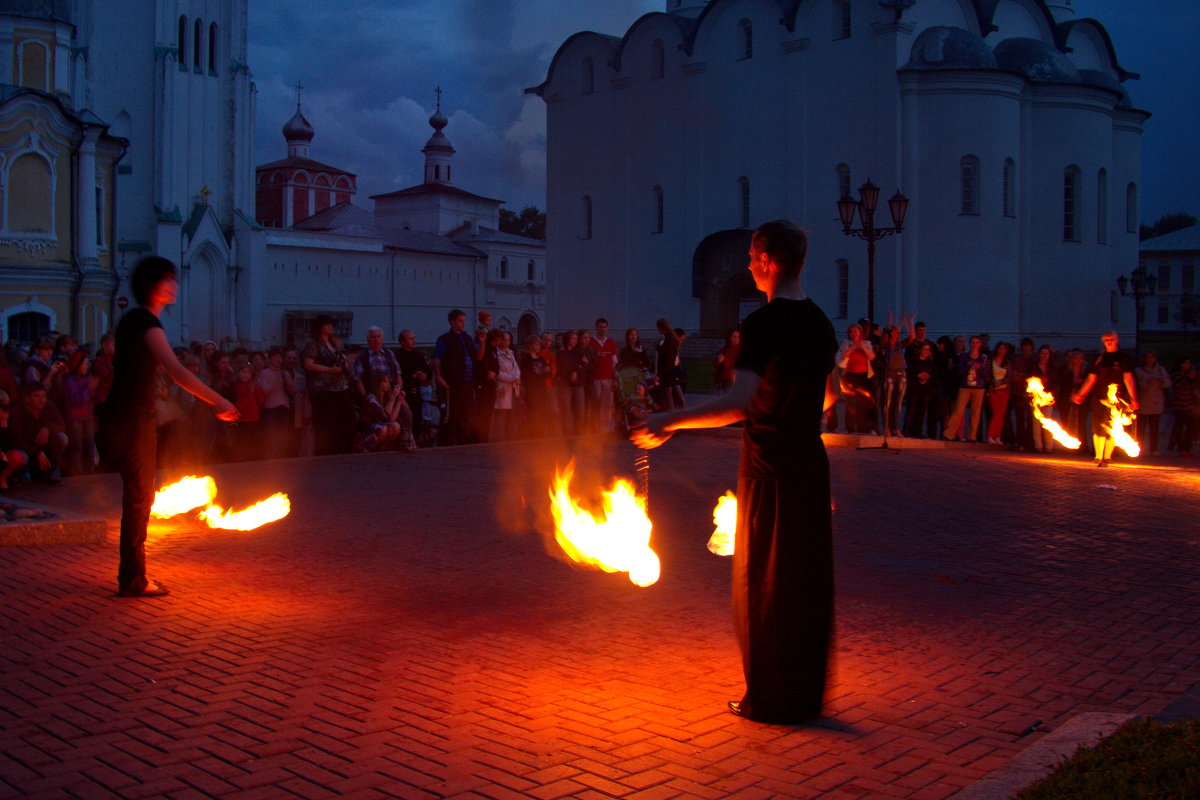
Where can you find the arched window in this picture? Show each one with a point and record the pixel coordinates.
(745, 39)
(212, 48)
(587, 216)
(1102, 206)
(841, 19)
(843, 180)
(197, 43)
(530, 270)
(588, 76)
(35, 70)
(744, 192)
(504, 268)
(658, 59)
(1010, 188)
(843, 278)
(181, 44)
(1071, 202)
(1131, 208)
(30, 195)
(658, 209)
(969, 172)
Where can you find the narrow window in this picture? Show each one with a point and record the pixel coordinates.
(744, 191)
(1010, 188)
(843, 180)
(212, 48)
(1187, 277)
(969, 170)
(588, 78)
(30, 195)
(503, 268)
(1164, 276)
(658, 209)
(529, 270)
(658, 59)
(1102, 207)
(1131, 208)
(197, 43)
(182, 42)
(437, 172)
(587, 216)
(843, 277)
(745, 39)
(1070, 212)
(35, 72)
(841, 19)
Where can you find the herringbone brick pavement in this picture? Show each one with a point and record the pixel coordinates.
(407, 632)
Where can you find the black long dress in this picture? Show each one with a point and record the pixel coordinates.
(783, 559)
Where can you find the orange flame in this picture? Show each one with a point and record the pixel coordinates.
(725, 525)
(616, 541)
(1119, 417)
(1039, 399)
(193, 492)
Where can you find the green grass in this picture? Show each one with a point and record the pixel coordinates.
(1142, 760)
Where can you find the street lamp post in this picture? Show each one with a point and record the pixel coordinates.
(1138, 285)
(869, 197)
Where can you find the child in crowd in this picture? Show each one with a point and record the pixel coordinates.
(80, 391)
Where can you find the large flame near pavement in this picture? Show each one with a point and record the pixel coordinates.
(184, 495)
(618, 540)
(1040, 398)
(195, 492)
(1120, 416)
(725, 525)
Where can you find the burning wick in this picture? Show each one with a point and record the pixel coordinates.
(193, 492)
(618, 540)
(725, 522)
(1121, 415)
(1039, 398)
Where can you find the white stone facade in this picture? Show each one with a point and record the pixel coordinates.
(1010, 132)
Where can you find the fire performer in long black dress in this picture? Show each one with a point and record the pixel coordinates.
(128, 426)
(783, 558)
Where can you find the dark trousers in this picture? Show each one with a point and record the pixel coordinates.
(333, 421)
(134, 451)
(922, 418)
(460, 407)
(783, 590)
(1023, 414)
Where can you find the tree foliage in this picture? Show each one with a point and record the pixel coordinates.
(1167, 223)
(529, 221)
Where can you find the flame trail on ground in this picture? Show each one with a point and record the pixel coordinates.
(195, 492)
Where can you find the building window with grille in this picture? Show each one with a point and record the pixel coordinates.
(745, 39)
(1070, 207)
(1187, 277)
(841, 19)
(843, 180)
(1131, 208)
(1010, 188)
(197, 44)
(658, 209)
(744, 194)
(35, 66)
(969, 171)
(1164, 276)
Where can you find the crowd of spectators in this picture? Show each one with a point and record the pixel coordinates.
(895, 380)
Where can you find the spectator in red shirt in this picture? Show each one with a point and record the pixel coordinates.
(604, 373)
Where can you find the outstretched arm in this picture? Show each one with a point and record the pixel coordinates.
(724, 409)
(160, 348)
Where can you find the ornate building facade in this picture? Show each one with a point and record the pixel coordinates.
(1005, 122)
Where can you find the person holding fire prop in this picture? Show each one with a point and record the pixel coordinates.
(783, 554)
(128, 425)
(1111, 367)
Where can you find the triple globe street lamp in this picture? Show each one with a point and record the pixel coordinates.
(869, 232)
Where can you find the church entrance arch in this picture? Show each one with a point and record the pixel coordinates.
(721, 281)
(527, 326)
(201, 310)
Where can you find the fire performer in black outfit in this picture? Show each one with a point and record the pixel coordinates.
(783, 557)
(128, 425)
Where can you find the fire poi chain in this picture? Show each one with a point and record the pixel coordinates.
(1120, 416)
(195, 492)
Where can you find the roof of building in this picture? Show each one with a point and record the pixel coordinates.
(482, 234)
(301, 162)
(434, 188)
(298, 128)
(424, 242)
(37, 9)
(945, 47)
(344, 218)
(1036, 61)
(1183, 239)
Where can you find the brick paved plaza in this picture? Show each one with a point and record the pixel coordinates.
(407, 633)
